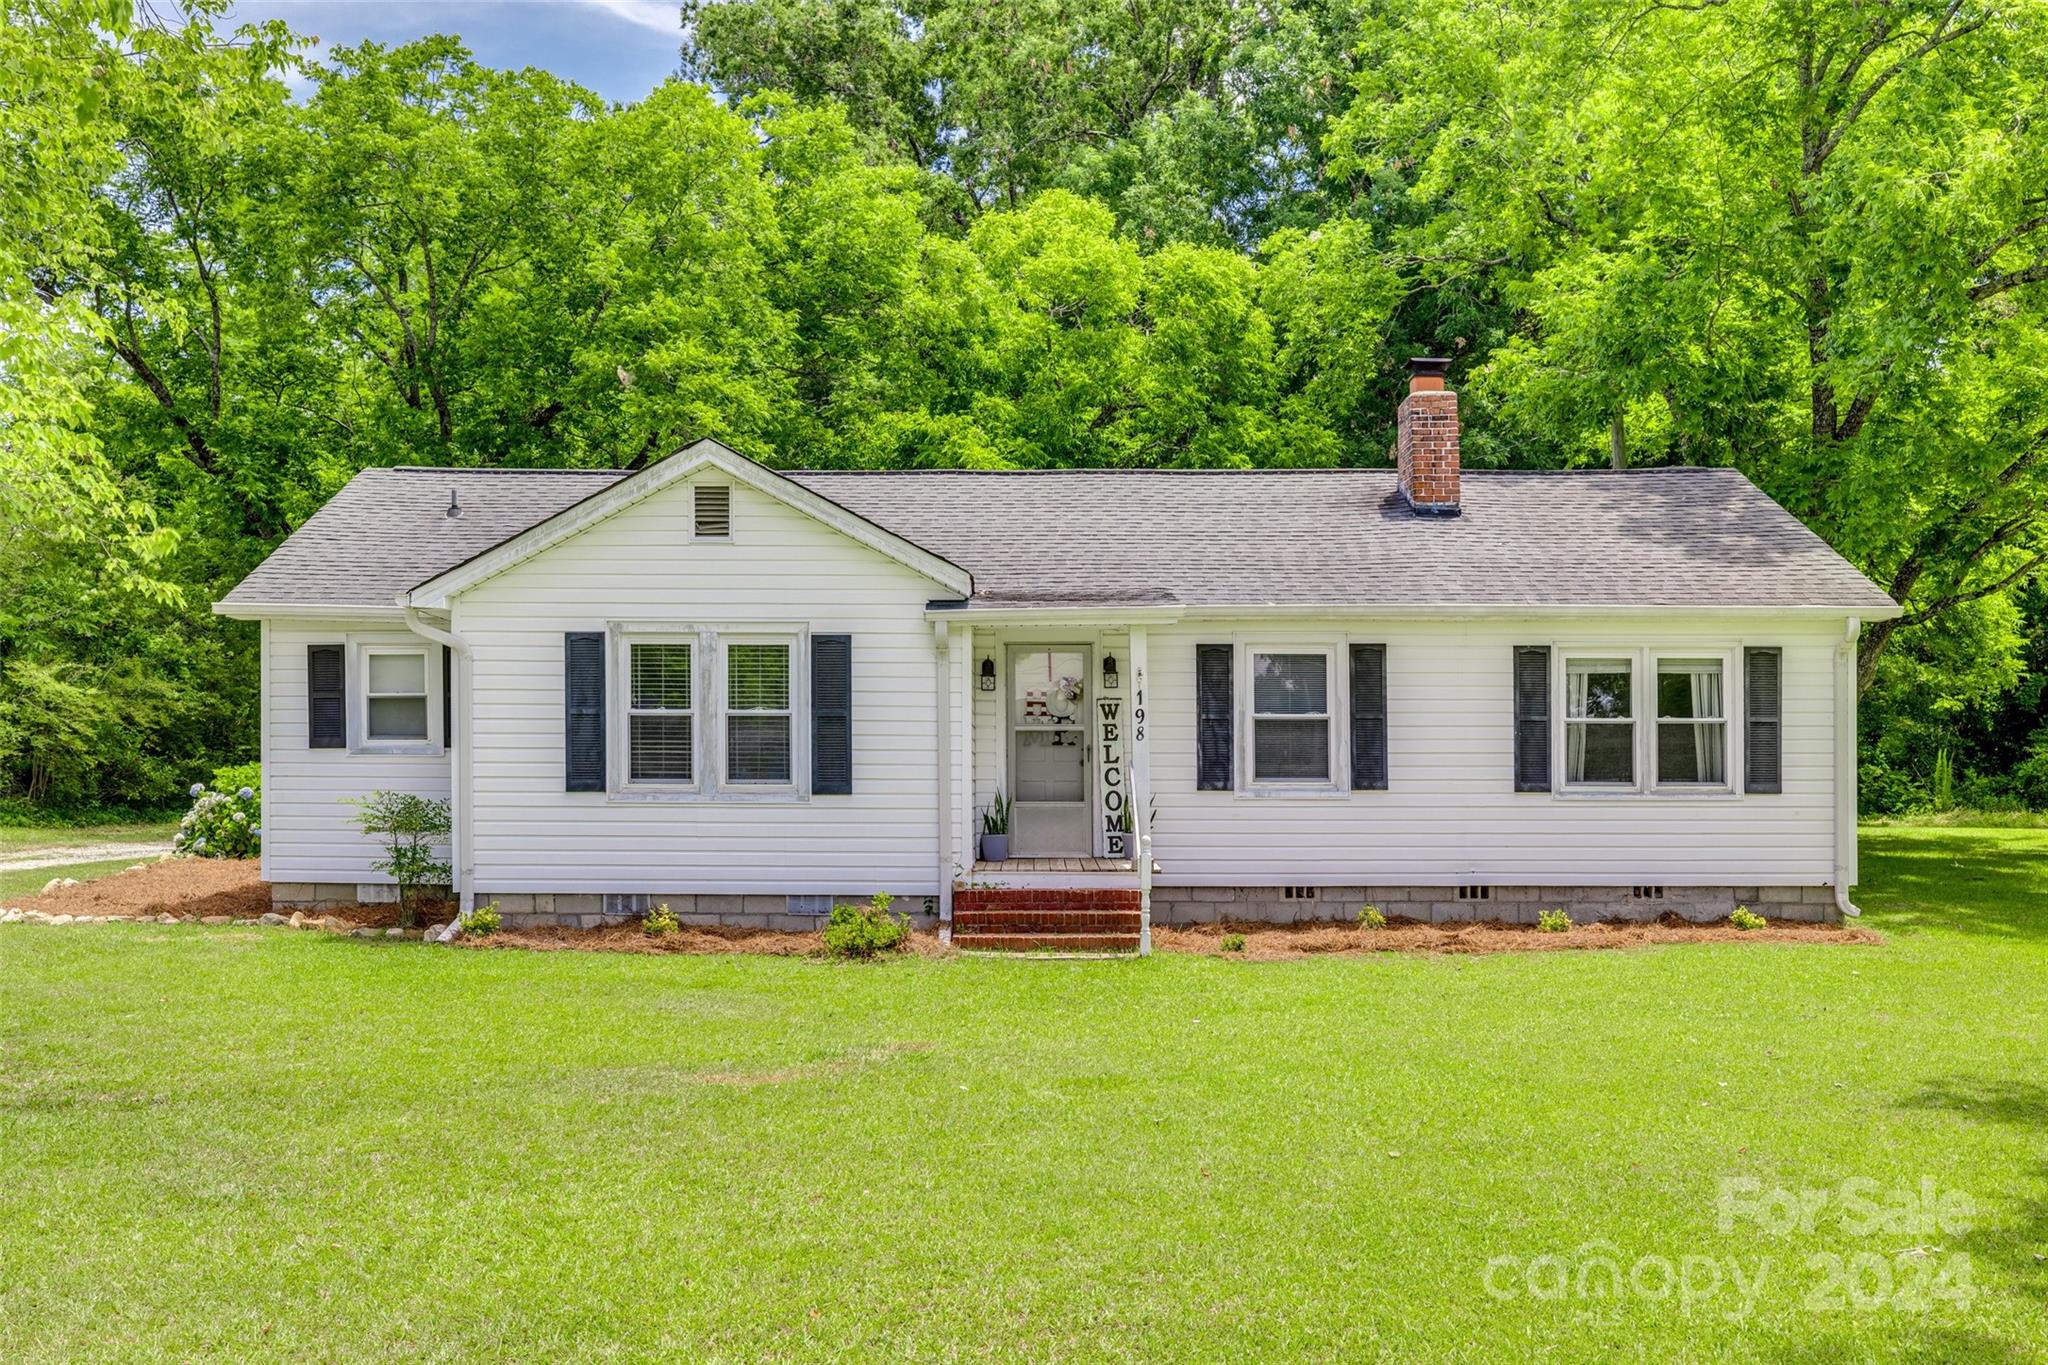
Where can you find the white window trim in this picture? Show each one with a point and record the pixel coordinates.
(707, 732)
(621, 741)
(358, 684)
(1643, 707)
(1245, 721)
(797, 711)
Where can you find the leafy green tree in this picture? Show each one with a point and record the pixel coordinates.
(1197, 120)
(1804, 239)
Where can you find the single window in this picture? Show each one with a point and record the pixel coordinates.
(661, 714)
(1692, 723)
(395, 689)
(757, 713)
(1290, 717)
(1599, 722)
(714, 512)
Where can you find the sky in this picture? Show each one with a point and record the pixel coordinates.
(621, 49)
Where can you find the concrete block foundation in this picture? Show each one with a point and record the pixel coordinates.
(1508, 904)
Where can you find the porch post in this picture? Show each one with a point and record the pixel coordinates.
(1140, 791)
(964, 851)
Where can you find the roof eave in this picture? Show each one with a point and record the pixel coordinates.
(309, 611)
(1430, 610)
(1170, 613)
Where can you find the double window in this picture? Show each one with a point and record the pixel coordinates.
(709, 711)
(1633, 718)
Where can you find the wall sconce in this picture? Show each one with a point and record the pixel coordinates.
(1109, 672)
(988, 675)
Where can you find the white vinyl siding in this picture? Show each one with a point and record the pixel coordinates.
(1450, 815)
(782, 577)
(309, 831)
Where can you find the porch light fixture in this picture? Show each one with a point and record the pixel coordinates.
(1109, 672)
(988, 674)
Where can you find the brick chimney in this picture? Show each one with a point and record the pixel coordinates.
(1426, 448)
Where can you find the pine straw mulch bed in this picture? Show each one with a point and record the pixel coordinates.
(197, 888)
(631, 938)
(1277, 942)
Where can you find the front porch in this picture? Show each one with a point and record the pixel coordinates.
(1049, 754)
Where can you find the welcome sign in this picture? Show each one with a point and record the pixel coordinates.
(1112, 744)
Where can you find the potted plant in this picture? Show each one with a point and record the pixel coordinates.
(995, 830)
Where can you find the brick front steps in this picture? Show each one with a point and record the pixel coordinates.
(1046, 920)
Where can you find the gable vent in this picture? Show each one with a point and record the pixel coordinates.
(714, 512)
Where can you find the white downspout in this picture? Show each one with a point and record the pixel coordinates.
(458, 754)
(942, 795)
(1845, 766)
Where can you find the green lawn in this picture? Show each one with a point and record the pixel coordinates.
(241, 1142)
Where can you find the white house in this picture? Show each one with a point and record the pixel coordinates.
(1238, 694)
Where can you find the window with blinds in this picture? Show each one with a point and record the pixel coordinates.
(661, 713)
(1290, 701)
(757, 712)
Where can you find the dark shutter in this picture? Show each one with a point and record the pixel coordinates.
(1532, 718)
(1212, 718)
(1763, 720)
(447, 697)
(583, 701)
(326, 697)
(1368, 718)
(831, 715)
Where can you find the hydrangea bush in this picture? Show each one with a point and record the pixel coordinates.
(224, 822)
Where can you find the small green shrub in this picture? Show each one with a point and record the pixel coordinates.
(484, 921)
(1944, 779)
(1746, 918)
(224, 822)
(1554, 921)
(236, 776)
(1371, 918)
(410, 828)
(661, 920)
(865, 931)
(1233, 943)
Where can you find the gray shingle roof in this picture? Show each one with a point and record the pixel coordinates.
(1640, 538)
(388, 531)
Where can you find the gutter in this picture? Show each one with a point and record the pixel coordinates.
(1845, 762)
(458, 758)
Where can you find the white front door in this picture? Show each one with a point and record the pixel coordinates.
(1049, 750)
